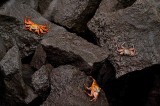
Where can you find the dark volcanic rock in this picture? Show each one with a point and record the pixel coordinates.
(138, 88)
(41, 79)
(67, 48)
(11, 63)
(2, 88)
(2, 2)
(73, 14)
(67, 88)
(32, 3)
(16, 92)
(27, 73)
(12, 31)
(138, 25)
(2, 48)
(39, 58)
(104, 72)
(11, 68)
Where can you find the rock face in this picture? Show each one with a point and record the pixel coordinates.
(11, 68)
(11, 63)
(12, 81)
(12, 33)
(67, 48)
(67, 88)
(2, 48)
(27, 41)
(12, 25)
(136, 25)
(39, 58)
(28, 81)
(73, 14)
(41, 79)
(27, 73)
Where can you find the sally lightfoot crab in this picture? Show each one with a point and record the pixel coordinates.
(95, 89)
(126, 51)
(33, 27)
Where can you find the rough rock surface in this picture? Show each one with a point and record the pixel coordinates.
(68, 48)
(67, 88)
(137, 25)
(2, 48)
(41, 79)
(11, 63)
(12, 33)
(11, 68)
(73, 14)
(39, 58)
(11, 26)
(27, 73)
(27, 41)
(16, 90)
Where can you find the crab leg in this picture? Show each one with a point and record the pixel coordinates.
(122, 45)
(37, 31)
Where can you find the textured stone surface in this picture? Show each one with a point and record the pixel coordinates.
(137, 25)
(11, 26)
(71, 45)
(39, 58)
(67, 88)
(2, 48)
(41, 78)
(11, 63)
(27, 73)
(73, 14)
(11, 68)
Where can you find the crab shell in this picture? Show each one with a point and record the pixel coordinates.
(130, 51)
(33, 27)
(95, 89)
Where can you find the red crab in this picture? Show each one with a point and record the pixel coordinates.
(126, 51)
(33, 27)
(95, 89)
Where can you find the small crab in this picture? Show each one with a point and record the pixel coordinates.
(126, 51)
(95, 89)
(33, 27)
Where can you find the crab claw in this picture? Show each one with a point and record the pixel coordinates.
(25, 21)
(28, 21)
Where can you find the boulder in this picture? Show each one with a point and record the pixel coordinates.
(136, 25)
(67, 88)
(16, 91)
(73, 14)
(41, 79)
(11, 63)
(27, 73)
(2, 48)
(11, 68)
(12, 26)
(39, 58)
(12, 33)
(67, 48)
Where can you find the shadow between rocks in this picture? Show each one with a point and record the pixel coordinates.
(138, 88)
(122, 4)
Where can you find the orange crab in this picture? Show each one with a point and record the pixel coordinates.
(95, 89)
(126, 51)
(31, 26)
